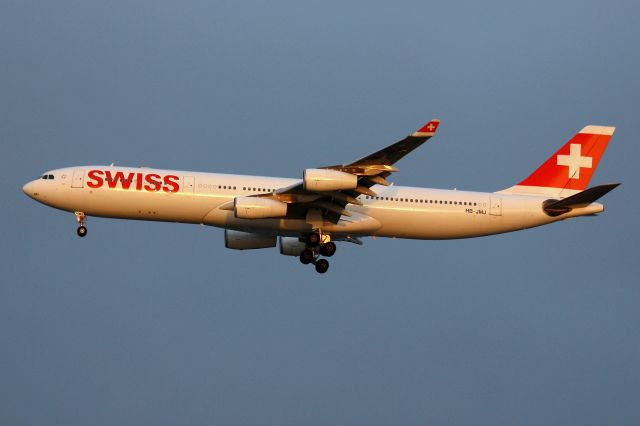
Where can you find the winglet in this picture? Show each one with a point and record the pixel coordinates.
(428, 129)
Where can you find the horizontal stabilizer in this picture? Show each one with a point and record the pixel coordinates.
(581, 199)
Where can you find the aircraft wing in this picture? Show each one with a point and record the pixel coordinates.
(368, 171)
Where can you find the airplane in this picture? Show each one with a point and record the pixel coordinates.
(339, 203)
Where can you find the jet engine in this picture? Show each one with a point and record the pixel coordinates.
(291, 246)
(328, 180)
(238, 240)
(258, 208)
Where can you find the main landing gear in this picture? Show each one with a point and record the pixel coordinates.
(318, 244)
(81, 219)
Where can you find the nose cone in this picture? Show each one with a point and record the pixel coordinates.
(30, 189)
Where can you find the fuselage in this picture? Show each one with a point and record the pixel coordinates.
(201, 198)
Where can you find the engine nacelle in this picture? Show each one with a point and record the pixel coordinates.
(328, 180)
(238, 240)
(258, 208)
(291, 246)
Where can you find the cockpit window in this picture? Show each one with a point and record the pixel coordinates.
(50, 176)
(47, 177)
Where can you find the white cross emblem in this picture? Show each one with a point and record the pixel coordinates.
(574, 161)
(430, 127)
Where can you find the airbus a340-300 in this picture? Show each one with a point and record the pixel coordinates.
(344, 202)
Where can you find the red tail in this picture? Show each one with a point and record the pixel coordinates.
(570, 169)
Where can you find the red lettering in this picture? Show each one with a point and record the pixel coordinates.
(118, 177)
(110, 180)
(139, 181)
(126, 183)
(95, 179)
(170, 183)
(153, 182)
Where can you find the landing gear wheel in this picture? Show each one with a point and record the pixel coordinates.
(328, 249)
(313, 239)
(81, 219)
(306, 256)
(322, 266)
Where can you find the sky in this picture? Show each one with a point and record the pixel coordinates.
(152, 323)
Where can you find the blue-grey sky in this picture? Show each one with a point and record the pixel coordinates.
(150, 323)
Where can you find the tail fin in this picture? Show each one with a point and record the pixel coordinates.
(569, 170)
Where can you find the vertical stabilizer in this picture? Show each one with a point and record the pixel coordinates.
(569, 170)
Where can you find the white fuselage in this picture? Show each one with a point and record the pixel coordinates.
(192, 197)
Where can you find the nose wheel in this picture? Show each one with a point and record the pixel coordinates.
(81, 218)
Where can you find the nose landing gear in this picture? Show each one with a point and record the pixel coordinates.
(82, 231)
(81, 219)
(318, 244)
